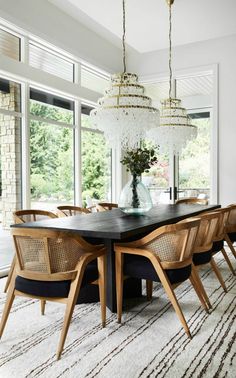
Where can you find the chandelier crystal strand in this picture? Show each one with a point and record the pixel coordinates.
(124, 114)
(176, 127)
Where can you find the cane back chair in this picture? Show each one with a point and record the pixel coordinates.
(67, 211)
(53, 266)
(193, 200)
(24, 216)
(165, 255)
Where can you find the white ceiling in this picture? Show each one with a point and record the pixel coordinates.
(147, 20)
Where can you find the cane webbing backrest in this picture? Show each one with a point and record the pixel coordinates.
(193, 200)
(231, 222)
(176, 245)
(104, 206)
(24, 216)
(207, 231)
(72, 210)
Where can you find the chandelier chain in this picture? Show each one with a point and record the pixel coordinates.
(170, 52)
(123, 39)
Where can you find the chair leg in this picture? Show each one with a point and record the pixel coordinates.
(218, 274)
(119, 284)
(7, 307)
(198, 292)
(43, 303)
(228, 261)
(230, 244)
(102, 287)
(13, 263)
(149, 289)
(74, 290)
(200, 285)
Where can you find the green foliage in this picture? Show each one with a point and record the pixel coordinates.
(139, 160)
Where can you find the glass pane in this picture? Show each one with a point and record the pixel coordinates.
(96, 167)
(194, 163)
(85, 119)
(10, 95)
(52, 165)
(49, 106)
(9, 45)
(51, 63)
(93, 80)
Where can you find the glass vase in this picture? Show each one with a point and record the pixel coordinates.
(135, 197)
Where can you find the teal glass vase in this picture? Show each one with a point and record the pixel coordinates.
(135, 197)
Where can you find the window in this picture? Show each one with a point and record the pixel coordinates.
(51, 150)
(51, 62)
(96, 163)
(93, 80)
(9, 45)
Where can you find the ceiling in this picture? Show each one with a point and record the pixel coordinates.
(147, 20)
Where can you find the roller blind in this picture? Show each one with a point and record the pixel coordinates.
(9, 45)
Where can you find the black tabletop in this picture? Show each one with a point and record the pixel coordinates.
(116, 225)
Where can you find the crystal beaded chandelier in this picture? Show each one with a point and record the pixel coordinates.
(124, 114)
(175, 124)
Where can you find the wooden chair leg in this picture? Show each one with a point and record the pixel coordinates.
(7, 307)
(228, 261)
(13, 263)
(230, 244)
(218, 274)
(201, 287)
(119, 284)
(198, 292)
(74, 290)
(102, 287)
(149, 289)
(43, 303)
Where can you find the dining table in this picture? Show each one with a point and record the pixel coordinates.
(115, 226)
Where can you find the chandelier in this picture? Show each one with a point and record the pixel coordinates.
(124, 114)
(176, 127)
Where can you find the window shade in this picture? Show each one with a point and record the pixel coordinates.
(9, 45)
(51, 63)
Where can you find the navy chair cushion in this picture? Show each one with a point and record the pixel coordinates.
(232, 236)
(141, 267)
(202, 258)
(56, 289)
(218, 245)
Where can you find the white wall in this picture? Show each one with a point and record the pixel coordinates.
(223, 52)
(43, 19)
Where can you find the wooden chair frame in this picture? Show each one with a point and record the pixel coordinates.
(230, 227)
(104, 206)
(138, 248)
(73, 210)
(18, 220)
(90, 252)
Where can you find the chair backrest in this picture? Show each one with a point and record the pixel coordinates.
(67, 211)
(222, 224)
(104, 206)
(231, 223)
(24, 216)
(207, 231)
(46, 254)
(193, 200)
(172, 243)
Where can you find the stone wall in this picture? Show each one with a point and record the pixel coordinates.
(10, 154)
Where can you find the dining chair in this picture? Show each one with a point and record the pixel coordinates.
(23, 216)
(54, 266)
(165, 255)
(230, 228)
(218, 241)
(67, 211)
(193, 200)
(207, 233)
(104, 206)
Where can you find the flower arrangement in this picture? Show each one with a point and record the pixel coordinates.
(138, 161)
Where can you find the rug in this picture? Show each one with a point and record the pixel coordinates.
(150, 342)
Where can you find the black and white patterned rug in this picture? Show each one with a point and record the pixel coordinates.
(149, 343)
